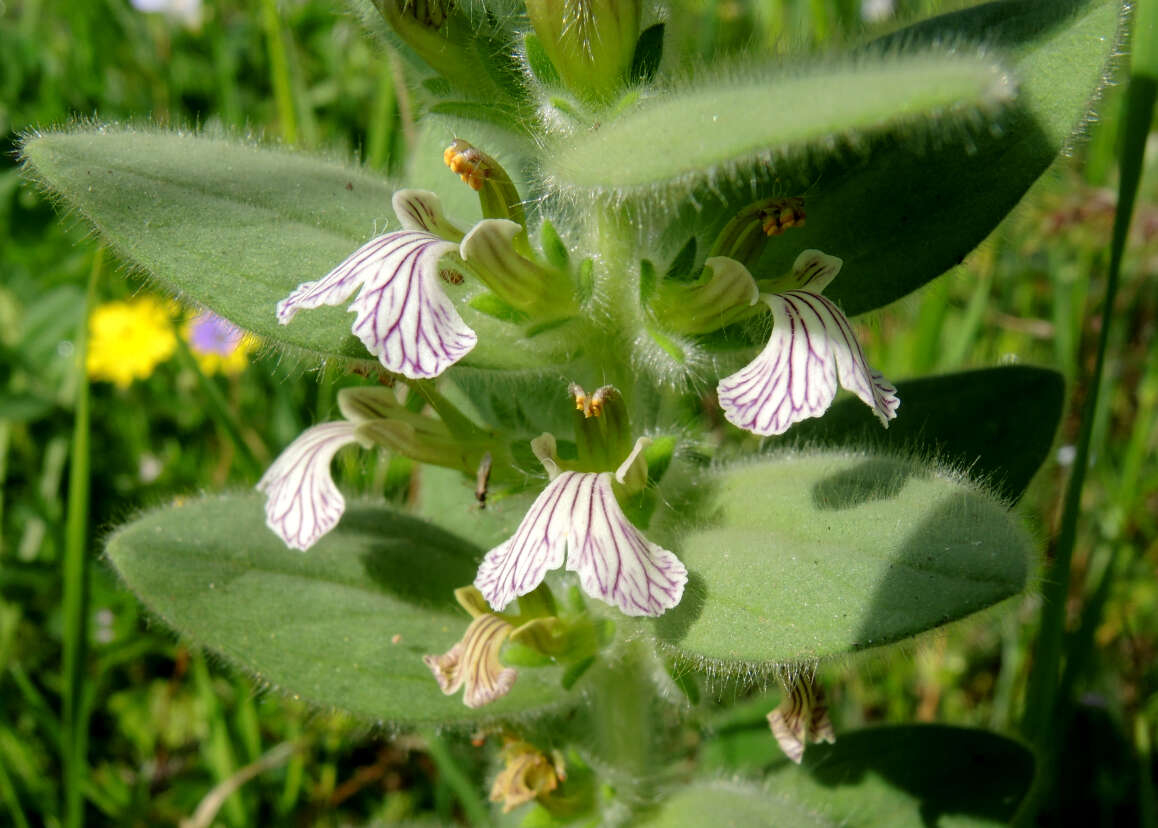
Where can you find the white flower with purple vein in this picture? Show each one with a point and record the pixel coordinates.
(404, 317)
(302, 502)
(811, 346)
(578, 518)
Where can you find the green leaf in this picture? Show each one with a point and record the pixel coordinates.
(923, 212)
(726, 127)
(998, 423)
(730, 805)
(235, 228)
(648, 54)
(344, 625)
(810, 556)
(22, 407)
(231, 226)
(912, 775)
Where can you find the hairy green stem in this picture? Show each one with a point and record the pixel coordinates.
(621, 711)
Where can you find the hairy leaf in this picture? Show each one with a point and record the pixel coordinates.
(718, 128)
(343, 625)
(998, 423)
(235, 228)
(912, 775)
(808, 556)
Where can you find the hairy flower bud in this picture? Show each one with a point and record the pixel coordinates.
(590, 42)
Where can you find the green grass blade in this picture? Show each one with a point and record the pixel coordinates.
(220, 411)
(11, 800)
(75, 575)
(456, 779)
(279, 71)
(1042, 699)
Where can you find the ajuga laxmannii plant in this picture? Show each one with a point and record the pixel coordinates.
(608, 316)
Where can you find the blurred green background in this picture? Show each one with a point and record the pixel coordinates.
(167, 726)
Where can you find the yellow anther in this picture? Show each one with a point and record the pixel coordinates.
(470, 164)
(591, 405)
(580, 398)
(782, 214)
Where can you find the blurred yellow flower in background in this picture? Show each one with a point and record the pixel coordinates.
(127, 340)
(218, 345)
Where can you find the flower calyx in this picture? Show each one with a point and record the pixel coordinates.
(382, 419)
(452, 43)
(725, 293)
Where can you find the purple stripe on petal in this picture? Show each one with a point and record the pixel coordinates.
(302, 502)
(336, 286)
(403, 316)
(795, 376)
(519, 565)
(613, 559)
(578, 514)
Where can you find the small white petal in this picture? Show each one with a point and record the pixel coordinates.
(795, 376)
(577, 513)
(518, 565)
(813, 271)
(403, 316)
(545, 449)
(422, 210)
(634, 468)
(616, 563)
(302, 502)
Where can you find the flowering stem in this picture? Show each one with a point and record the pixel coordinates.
(75, 576)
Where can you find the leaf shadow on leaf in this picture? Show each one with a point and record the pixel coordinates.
(947, 770)
(673, 625)
(392, 564)
(999, 423)
(877, 478)
(984, 562)
(1002, 24)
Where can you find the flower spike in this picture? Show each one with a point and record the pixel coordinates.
(811, 346)
(578, 517)
(302, 502)
(403, 315)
